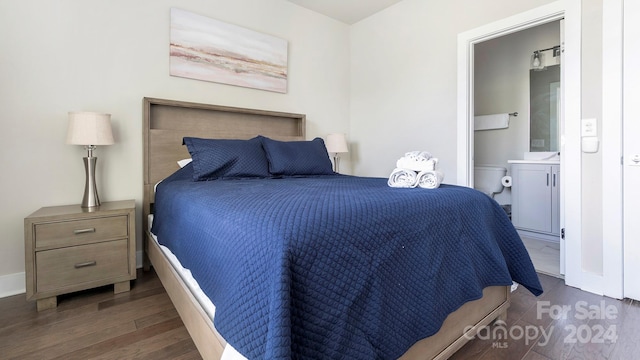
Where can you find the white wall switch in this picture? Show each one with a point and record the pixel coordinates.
(589, 127)
(590, 144)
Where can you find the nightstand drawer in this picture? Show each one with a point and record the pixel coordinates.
(58, 268)
(69, 233)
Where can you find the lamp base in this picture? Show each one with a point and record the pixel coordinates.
(90, 198)
(336, 163)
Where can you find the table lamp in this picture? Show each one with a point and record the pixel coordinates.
(336, 144)
(89, 129)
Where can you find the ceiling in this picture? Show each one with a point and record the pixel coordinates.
(347, 11)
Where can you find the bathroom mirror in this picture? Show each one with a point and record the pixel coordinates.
(544, 108)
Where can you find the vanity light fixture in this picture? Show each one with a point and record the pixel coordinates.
(89, 129)
(536, 61)
(538, 57)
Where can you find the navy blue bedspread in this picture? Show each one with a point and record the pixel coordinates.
(336, 266)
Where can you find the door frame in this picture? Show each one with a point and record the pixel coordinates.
(612, 150)
(570, 186)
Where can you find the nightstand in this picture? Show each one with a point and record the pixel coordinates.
(70, 248)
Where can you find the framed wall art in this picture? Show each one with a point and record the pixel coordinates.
(207, 49)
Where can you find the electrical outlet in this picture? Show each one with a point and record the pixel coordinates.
(589, 127)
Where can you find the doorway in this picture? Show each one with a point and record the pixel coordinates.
(569, 141)
(506, 82)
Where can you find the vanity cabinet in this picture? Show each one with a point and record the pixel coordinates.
(535, 197)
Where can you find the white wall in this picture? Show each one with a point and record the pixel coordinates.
(592, 180)
(403, 79)
(67, 55)
(501, 85)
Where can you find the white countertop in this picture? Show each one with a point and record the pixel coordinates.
(541, 162)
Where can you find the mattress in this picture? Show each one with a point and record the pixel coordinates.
(230, 353)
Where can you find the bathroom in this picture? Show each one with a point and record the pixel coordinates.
(525, 145)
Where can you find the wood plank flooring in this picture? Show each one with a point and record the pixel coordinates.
(143, 324)
(563, 323)
(96, 324)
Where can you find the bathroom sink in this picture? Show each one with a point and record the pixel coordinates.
(549, 162)
(542, 156)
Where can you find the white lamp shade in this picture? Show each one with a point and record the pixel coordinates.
(89, 128)
(336, 143)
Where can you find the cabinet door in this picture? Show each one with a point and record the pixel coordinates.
(555, 199)
(531, 197)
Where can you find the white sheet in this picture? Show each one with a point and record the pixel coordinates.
(229, 353)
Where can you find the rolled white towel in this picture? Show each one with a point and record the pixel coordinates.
(403, 178)
(417, 163)
(424, 155)
(430, 179)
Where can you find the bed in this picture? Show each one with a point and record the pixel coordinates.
(167, 123)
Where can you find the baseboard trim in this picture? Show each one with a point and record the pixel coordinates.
(12, 284)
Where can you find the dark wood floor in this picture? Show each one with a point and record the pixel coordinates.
(569, 324)
(143, 324)
(96, 324)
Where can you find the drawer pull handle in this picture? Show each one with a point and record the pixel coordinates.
(85, 264)
(84, 231)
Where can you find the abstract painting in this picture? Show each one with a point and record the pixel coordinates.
(207, 49)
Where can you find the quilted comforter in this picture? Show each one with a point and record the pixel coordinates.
(336, 266)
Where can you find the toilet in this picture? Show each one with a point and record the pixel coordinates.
(488, 179)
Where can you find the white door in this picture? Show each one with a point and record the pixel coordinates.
(631, 149)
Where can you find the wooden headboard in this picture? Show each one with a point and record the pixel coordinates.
(166, 122)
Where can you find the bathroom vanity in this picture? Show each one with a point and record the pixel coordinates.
(535, 197)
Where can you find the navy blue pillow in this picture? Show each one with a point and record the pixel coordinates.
(290, 158)
(226, 158)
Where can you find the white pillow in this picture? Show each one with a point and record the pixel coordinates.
(182, 163)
